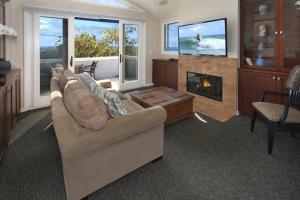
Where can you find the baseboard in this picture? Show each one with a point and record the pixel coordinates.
(33, 108)
(149, 85)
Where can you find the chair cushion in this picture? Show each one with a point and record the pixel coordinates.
(114, 106)
(84, 106)
(273, 112)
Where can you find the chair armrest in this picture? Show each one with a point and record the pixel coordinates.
(116, 130)
(274, 93)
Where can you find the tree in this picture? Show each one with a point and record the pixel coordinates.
(131, 42)
(86, 45)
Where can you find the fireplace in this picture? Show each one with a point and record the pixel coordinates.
(205, 85)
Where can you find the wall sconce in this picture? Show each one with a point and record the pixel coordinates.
(8, 31)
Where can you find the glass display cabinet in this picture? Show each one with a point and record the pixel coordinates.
(270, 48)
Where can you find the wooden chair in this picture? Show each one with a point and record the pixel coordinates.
(91, 68)
(280, 117)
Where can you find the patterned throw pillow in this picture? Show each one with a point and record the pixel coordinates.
(114, 105)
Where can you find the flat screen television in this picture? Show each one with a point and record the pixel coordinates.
(207, 38)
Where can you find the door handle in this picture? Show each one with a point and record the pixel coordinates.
(71, 61)
(274, 77)
(279, 78)
(121, 58)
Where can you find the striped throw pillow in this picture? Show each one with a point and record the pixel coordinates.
(114, 105)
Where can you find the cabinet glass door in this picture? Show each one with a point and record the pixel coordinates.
(259, 33)
(291, 34)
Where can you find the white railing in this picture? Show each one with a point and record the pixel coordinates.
(107, 67)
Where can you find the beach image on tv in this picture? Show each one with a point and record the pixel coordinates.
(203, 39)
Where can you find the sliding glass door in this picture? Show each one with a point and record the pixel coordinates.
(131, 55)
(52, 49)
(119, 49)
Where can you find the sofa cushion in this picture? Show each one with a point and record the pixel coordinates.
(114, 105)
(66, 76)
(84, 106)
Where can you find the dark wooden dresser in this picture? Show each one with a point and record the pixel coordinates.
(10, 105)
(165, 73)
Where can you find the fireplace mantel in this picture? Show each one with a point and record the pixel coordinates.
(215, 66)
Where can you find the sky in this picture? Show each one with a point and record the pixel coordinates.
(173, 36)
(209, 28)
(93, 27)
(51, 29)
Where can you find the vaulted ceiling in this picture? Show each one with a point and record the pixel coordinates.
(162, 9)
(169, 10)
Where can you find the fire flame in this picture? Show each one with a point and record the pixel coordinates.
(206, 83)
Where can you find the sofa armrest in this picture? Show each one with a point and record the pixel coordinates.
(117, 129)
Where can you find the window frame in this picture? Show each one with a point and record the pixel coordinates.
(165, 24)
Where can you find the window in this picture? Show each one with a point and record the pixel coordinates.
(171, 36)
(96, 38)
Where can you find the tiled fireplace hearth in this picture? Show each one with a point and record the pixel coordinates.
(205, 85)
(213, 82)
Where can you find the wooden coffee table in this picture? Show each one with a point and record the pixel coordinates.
(177, 105)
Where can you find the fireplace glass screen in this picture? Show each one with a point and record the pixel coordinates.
(205, 85)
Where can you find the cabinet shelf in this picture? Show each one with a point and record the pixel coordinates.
(260, 18)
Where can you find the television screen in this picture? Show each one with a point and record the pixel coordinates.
(207, 38)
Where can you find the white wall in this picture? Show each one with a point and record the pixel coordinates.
(15, 18)
(192, 11)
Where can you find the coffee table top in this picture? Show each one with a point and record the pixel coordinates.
(162, 96)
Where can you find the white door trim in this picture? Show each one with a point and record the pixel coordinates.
(141, 57)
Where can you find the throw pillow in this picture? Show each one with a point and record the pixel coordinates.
(114, 105)
(84, 106)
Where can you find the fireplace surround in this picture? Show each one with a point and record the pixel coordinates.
(205, 85)
(226, 68)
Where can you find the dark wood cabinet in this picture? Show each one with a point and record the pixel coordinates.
(253, 83)
(165, 73)
(270, 48)
(2, 123)
(9, 107)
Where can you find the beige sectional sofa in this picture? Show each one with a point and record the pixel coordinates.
(92, 159)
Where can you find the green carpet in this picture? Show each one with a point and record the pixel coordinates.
(208, 161)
